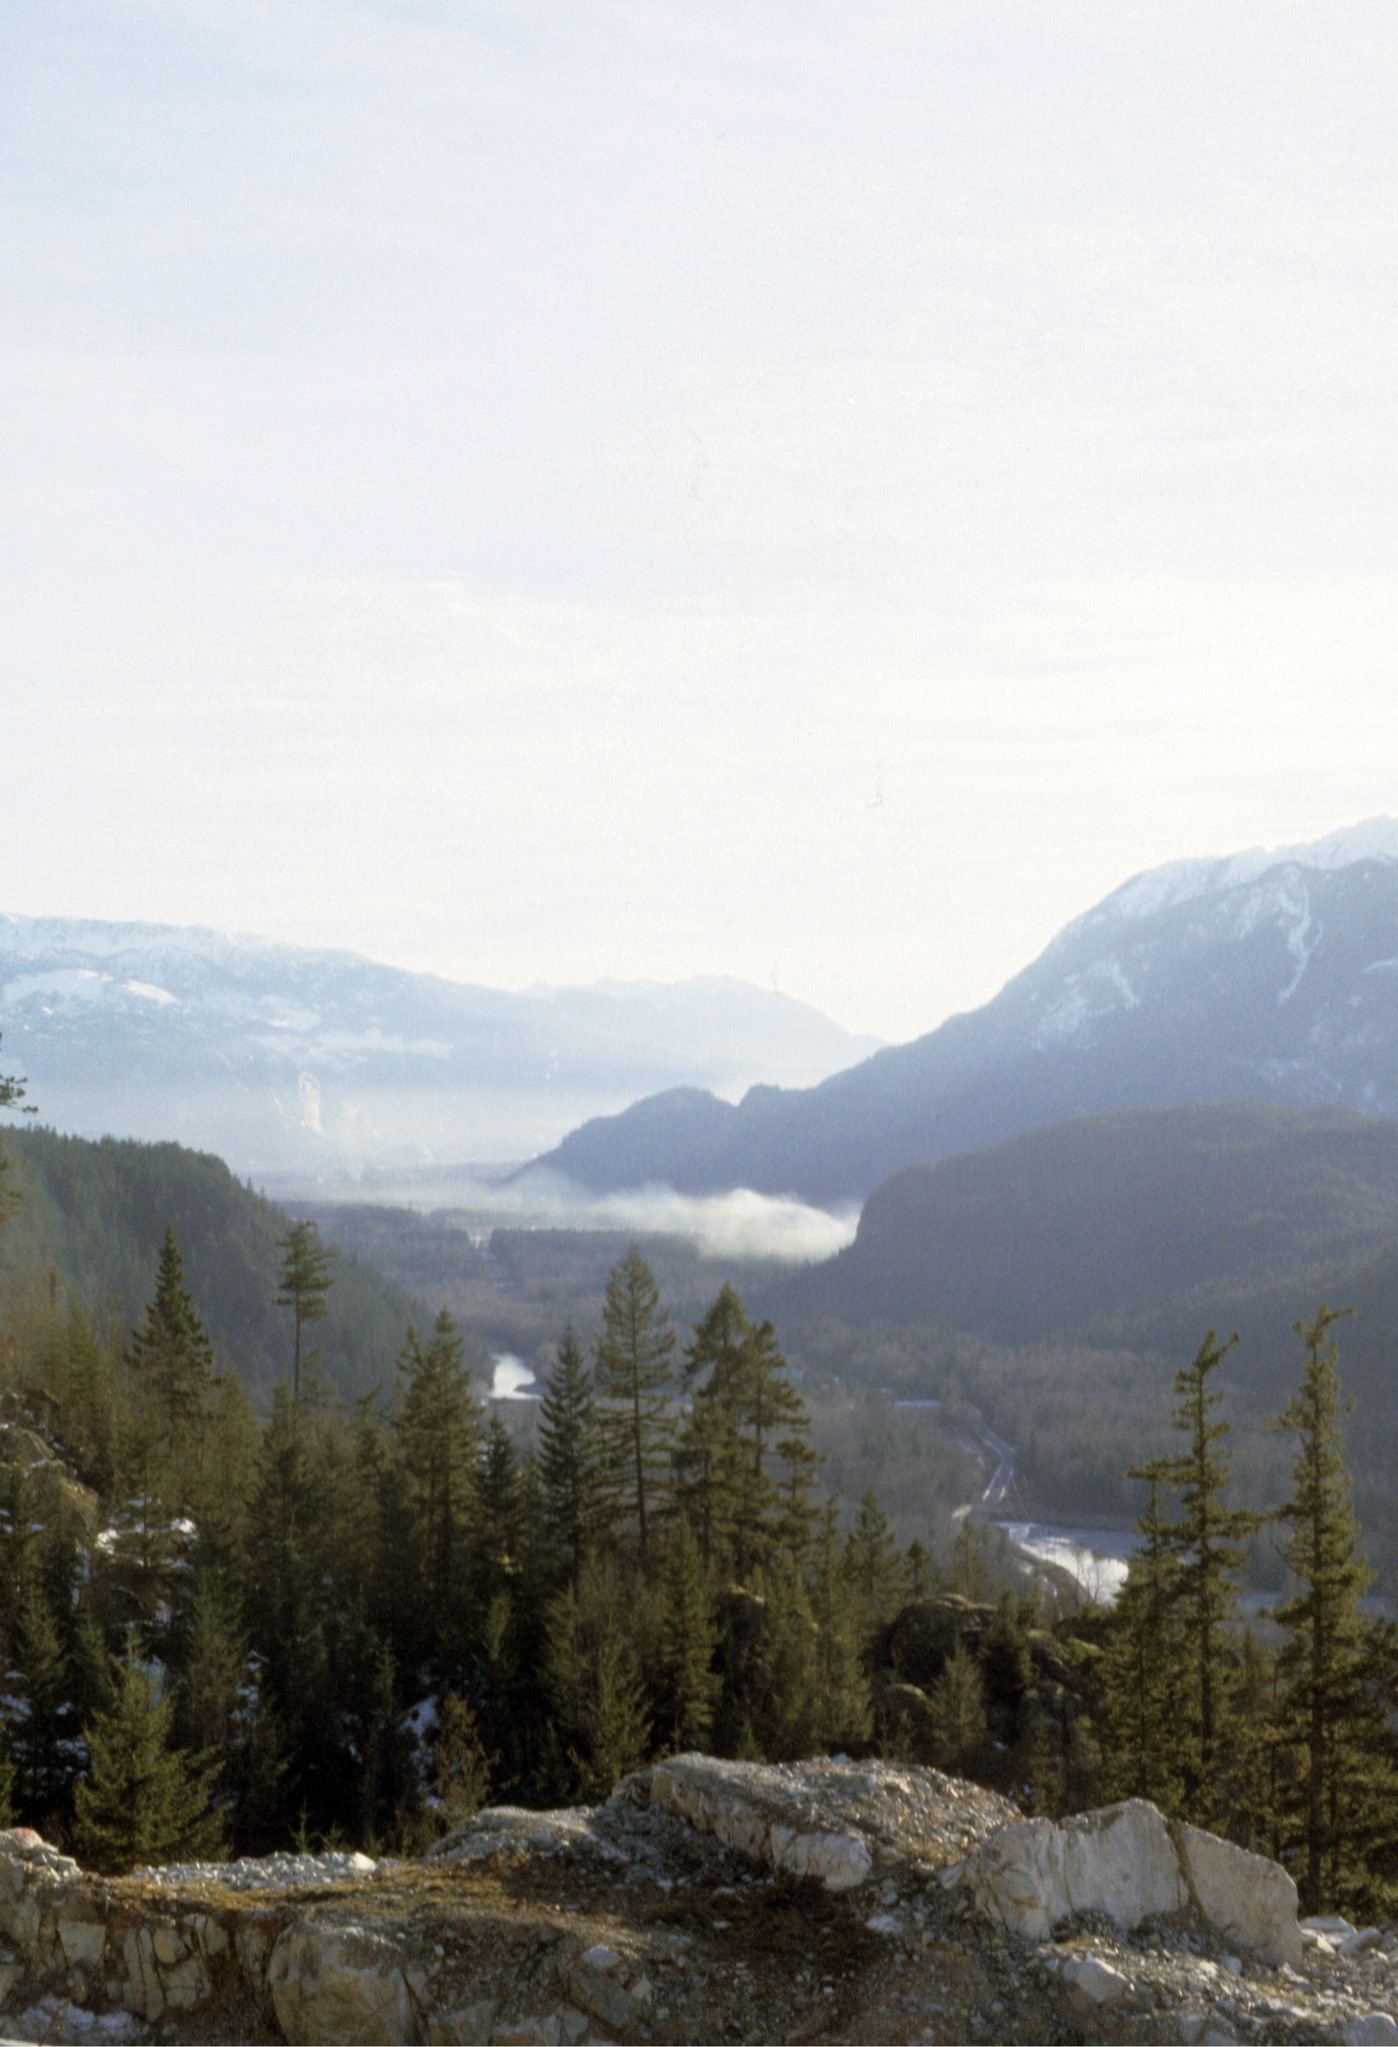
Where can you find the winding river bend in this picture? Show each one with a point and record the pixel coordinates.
(1095, 1558)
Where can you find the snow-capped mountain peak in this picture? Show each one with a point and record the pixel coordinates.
(1183, 881)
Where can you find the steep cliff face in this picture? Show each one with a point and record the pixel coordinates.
(706, 1900)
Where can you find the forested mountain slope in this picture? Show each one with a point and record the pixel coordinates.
(91, 1224)
(1141, 1229)
(1269, 976)
(285, 1058)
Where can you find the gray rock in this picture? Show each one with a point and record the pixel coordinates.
(1371, 2029)
(1094, 1980)
(333, 1984)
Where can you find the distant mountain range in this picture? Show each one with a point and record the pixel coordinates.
(1269, 976)
(285, 1060)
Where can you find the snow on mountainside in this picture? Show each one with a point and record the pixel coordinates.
(1182, 881)
(290, 1059)
(1265, 975)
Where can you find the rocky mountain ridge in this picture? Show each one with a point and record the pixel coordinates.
(281, 1057)
(1266, 977)
(707, 1900)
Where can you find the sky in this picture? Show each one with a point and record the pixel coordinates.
(820, 493)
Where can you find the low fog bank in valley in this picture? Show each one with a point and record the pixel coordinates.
(740, 1224)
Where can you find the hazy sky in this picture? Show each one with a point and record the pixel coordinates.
(813, 492)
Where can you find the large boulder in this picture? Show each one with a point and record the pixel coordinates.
(339, 1984)
(1131, 1863)
(1249, 1899)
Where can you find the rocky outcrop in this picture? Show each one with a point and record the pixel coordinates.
(838, 1822)
(1132, 1864)
(823, 1900)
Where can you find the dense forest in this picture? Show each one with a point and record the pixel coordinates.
(90, 1224)
(357, 1616)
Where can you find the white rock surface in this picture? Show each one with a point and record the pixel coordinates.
(1131, 1863)
(1247, 1897)
(1120, 1861)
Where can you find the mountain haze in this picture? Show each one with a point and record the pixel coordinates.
(1265, 976)
(284, 1059)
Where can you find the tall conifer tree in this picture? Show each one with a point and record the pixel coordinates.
(1209, 1543)
(570, 1455)
(303, 1284)
(172, 1361)
(1144, 1711)
(1334, 1667)
(688, 1640)
(437, 1424)
(633, 1377)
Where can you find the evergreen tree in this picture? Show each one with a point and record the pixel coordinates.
(1142, 1680)
(303, 1284)
(1006, 1665)
(689, 1639)
(1257, 1750)
(969, 1573)
(843, 1707)
(43, 1731)
(618, 1725)
(81, 1373)
(460, 1768)
(499, 1515)
(1209, 1543)
(633, 1376)
(213, 1666)
(958, 1722)
(919, 1572)
(795, 1706)
(797, 1515)
(142, 1801)
(569, 1455)
(389, 1789)
(871, 1564)
(437, 1428)
(1334, 1702)
(745, 1418)
(291, 1575)
(727, 1488)
(172, 1362)
(600, 1723)
(706, 1480)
